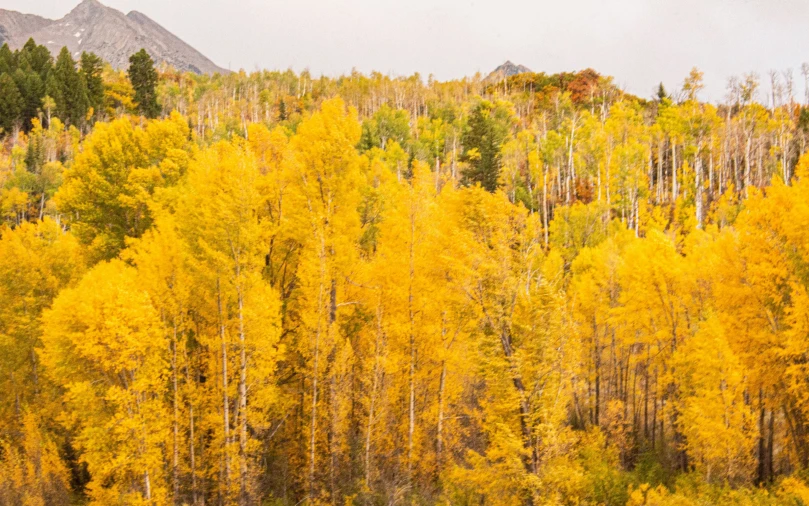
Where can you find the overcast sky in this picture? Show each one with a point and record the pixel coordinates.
(639, 42)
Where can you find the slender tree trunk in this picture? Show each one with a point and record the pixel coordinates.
(315, 371)
(192, 455)
(762, 455)
(225, 400)
(698, 184)
(439, 438)
(147, 486)
(545, 206)
(175, 460)
(243, 486)
(374, 393)
(314, 412)
(674, 189)
(412, 386)
(748, 146)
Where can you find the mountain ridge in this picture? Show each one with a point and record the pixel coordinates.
(14, 25)
(506, 70)
(114, 36)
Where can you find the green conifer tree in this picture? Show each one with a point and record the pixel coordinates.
(11, 103)
(143, 77)
(91, 68)
(68, 89)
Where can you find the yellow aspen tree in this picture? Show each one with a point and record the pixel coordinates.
(105, 345)
(718, 426)
(108, 189)
(658, 306)
(37, 260)
(32, 472)
(325, 169)
(219, 212)
(404, 270)
(161, 260)
(501, 269)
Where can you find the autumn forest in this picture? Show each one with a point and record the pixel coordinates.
(272, 288)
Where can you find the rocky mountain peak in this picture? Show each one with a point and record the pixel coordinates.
(91, 26)
(507, 70)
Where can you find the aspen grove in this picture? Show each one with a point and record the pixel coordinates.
(271, 288)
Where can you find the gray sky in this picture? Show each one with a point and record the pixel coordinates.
(639, 42)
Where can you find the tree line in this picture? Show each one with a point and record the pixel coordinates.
(34, 86)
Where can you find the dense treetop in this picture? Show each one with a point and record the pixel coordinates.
(270, 288)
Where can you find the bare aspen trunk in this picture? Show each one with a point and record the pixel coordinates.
(192, 456)
(316, 358)
(698, 185)
(314, 413)
(710, 174)
(225, 400)
(411, 314)
(545, 206)
(147, 486)
(597, 379)
(660, 182)
(191, 450)
(673, 171)
(748, 147)
(454, 140)
(762, 457)
(439, 438)
(570, 164)
(374, 390)
(175, 460)
(243, 489)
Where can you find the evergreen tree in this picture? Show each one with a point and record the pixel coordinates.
(68, 89)
(661, 93)
(487, 130)
(32, 89)
(282, 110)
(35, 58)
(7, 61)
(143, 77)
(91, 68)
(40, 58)
(11, 103)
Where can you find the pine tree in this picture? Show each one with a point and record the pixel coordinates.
(143, 77)
(32, 90)
(661, 93)
(487, 131)
(12, 104)
(91, 68)
(68, 89)
(8, 63)
(36, 57)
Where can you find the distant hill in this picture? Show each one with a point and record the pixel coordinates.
(107, 32)
(505, 71)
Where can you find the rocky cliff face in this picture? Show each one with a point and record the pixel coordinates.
(506, 70)
(15, 25)
(108, 33)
